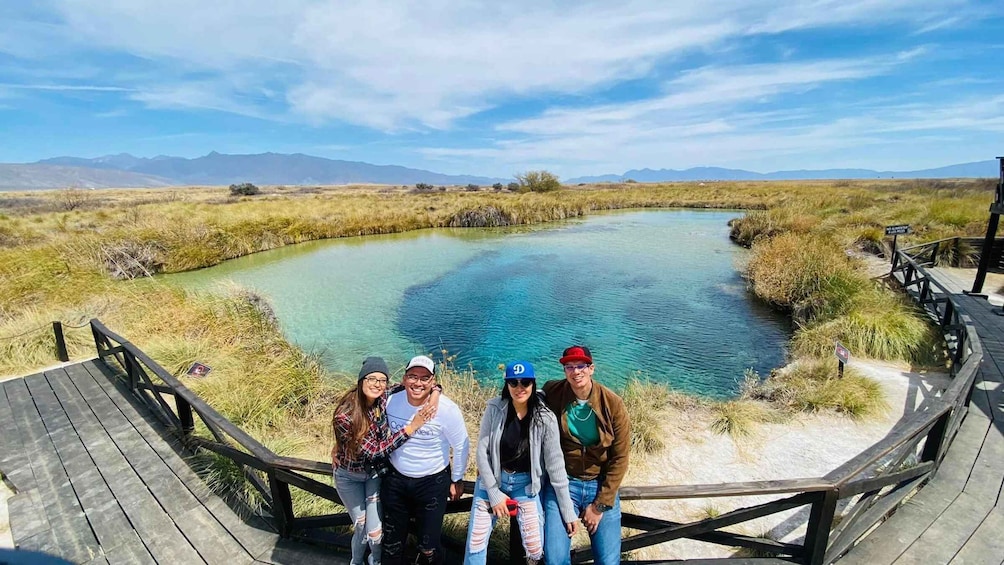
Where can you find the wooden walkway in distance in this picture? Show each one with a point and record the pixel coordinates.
(958, 517)
(97, 481)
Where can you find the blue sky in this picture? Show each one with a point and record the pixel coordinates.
(493, 88)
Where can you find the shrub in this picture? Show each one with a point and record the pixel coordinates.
(72, 198)
(423, 186)
(538, 181)
(498, 186)
(472, 188)
(805, 273)
(813, 385)
(513, 186)
(244, 189)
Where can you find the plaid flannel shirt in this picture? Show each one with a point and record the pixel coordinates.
(375, 446)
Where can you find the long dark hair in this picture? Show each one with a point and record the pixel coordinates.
(355, 405)
(534, 405)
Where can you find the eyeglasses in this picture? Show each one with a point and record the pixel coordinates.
(376, 381)
(575, 367)
(524, 383)
(422, 379)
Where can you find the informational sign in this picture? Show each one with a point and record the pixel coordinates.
(900, 229)
(198, 370)
(843, 355)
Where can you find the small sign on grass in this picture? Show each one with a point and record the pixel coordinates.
(843, 355)
(899, 229)
(198, 370)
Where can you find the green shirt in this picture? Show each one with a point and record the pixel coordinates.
(582, 423)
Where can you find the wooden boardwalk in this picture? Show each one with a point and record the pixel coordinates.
(958, 517)
(97, 481)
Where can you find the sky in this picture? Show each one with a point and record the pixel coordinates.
(494, 88)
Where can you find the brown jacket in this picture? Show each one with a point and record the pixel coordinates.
(608, 459)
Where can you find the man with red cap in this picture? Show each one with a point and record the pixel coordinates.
(595, 440)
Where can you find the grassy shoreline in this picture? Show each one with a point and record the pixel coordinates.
(59, 264)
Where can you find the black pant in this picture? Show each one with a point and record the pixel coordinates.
(423, 499)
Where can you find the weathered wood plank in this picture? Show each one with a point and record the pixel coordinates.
(288, 552)
(908, 523)
(986, 546)
(27, 516)
(70, 531)
(106, 518)
(167, 446)
(203, 531)
(131, 551)
(988, 471)
(253, 533)
(949, 533)
(13, 458)
(154, 527)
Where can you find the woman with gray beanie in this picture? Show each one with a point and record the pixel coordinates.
(363, 441)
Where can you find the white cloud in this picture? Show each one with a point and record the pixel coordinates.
(396, 65)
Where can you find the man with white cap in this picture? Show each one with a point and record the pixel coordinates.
(421, 478)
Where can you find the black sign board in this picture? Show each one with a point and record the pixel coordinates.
(842, 353)
(900, 229)
(198, 370)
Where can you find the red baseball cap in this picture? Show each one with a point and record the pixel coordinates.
(576, 353)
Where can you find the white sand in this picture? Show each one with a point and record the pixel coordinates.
(5, 537)
(810, 446)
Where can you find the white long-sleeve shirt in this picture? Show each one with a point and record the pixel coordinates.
(428, 451)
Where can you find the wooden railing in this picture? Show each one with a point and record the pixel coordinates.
(843, 505)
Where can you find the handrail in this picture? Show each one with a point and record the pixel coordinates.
(885, 464)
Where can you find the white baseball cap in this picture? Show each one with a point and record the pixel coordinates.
(422, 361)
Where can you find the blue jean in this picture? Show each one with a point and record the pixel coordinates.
(360, 494)
(529, 515)
(606, 541)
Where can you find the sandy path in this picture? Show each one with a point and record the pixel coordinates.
(811, 445)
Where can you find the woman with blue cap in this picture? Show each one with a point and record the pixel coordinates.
(518, 443)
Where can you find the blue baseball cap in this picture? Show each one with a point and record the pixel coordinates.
(519, 370)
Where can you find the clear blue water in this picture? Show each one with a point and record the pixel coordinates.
(654, 294)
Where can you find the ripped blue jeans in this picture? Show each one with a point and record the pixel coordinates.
(360, 494)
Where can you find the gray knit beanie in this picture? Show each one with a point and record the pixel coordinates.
(374, 365)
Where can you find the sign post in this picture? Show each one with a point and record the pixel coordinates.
(843, 355)
(895, 232)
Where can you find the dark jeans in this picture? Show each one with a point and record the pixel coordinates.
(423, 499)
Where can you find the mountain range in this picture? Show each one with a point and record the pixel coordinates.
(977, 169)
(124, 170)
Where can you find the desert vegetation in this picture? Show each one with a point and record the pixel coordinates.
(94, 260)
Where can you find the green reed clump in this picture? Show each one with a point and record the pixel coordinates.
(739, 418)
(876, 323)
(813, 385)
(647, 404)
(803, 271)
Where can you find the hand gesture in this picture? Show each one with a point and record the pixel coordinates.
(456, 490)
(500, 511)
(572, 528)
(591, 518)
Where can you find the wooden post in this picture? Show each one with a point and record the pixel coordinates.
(817, 534)
(840, 369)
(57, 330)
(935, 439)
(894, 236)
(185, 415)
(282, 506)
(988, 244)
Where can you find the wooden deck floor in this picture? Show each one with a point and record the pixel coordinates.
(959, 516)
(95, 481)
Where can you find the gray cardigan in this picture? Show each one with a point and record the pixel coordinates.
(545, 448)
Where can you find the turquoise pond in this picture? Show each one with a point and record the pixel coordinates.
(654, 294)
